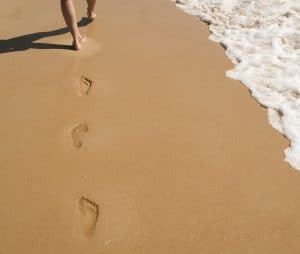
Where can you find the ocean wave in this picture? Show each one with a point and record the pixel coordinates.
(262, 39)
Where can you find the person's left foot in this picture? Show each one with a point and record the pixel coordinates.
(77, 43)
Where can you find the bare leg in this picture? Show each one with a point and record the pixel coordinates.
(91, 9)
(69, 15)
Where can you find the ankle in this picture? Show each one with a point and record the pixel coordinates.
(90, 10)
(91, 13)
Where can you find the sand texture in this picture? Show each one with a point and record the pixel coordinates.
(138, 143)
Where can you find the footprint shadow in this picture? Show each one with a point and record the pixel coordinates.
(27, 41)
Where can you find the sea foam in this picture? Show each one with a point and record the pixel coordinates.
(262, 39)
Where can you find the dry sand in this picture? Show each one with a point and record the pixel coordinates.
(163, 155)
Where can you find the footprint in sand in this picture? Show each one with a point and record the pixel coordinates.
(77, 132)
(85, 85)
(89, 215)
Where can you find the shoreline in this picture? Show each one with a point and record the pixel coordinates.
(264, 70)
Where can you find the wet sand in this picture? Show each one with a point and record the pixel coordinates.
(136, 144)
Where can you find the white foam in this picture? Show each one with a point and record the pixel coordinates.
(262, 39)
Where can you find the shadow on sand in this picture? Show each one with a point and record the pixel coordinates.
(27, 41)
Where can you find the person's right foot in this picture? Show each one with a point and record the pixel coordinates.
(91, 14)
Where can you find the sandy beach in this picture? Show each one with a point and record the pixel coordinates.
(136, 144)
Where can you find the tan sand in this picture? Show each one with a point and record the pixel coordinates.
(137, 144)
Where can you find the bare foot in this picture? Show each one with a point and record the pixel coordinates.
(91, 14)
(77, 43)
(91, 9)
